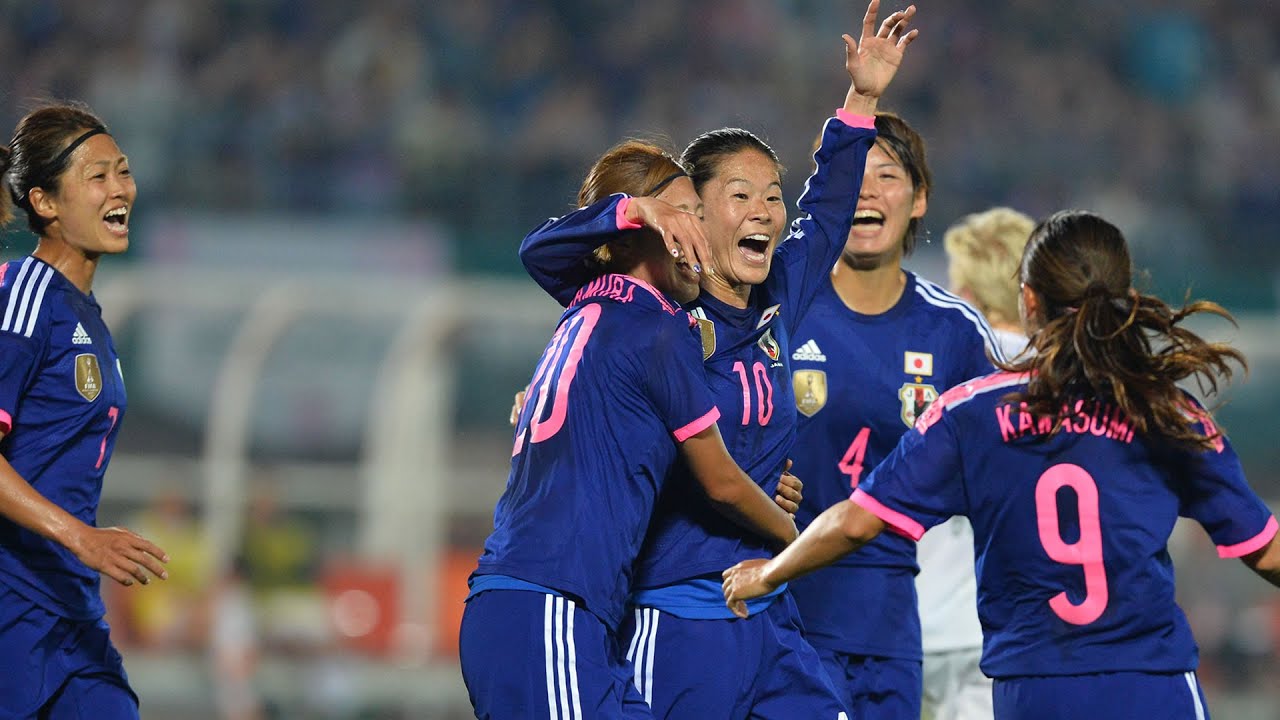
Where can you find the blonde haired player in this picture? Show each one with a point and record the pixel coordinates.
(983, 250)
(983, 253)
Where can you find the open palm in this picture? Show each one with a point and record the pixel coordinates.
(873, 60)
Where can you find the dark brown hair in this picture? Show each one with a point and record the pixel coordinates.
(1102, 341)
(704, 153)
(35, 156)
(900, 140)
(635, 167)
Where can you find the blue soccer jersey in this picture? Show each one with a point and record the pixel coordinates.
(748, 366)
(1071, 529)
(746, 352)
(860, 382)
(62, 399)
(619, 384)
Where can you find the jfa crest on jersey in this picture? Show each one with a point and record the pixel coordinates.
(769, 345)
(860, 382)
(916, 398)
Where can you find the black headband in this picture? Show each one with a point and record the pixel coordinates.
(62, 156)
(665, 182)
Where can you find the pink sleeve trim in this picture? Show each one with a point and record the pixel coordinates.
(6, 422)
(620, 214)
(853, 120)
(896, 521)
(1257, 542)
(698, 425)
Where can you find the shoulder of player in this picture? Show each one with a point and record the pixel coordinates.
(30, 290)
(987, 389)
(631, 293)
(936, 301)
(944, 306)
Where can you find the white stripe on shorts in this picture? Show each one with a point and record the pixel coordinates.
(548, 652)
(573, 662)
(648, 660)
(1195, 694)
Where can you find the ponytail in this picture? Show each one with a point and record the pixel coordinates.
(1102, 341)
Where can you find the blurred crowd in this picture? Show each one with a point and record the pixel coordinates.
(484, 114)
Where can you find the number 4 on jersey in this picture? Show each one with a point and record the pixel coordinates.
(851, 463)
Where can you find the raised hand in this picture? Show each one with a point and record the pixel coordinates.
(873, 60)
(120, 554)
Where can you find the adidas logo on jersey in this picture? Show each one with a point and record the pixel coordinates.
(80, 337)
(809, 351)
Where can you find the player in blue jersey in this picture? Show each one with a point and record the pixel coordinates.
(877, 347)
(983, 252)
(618, 393)
(62, 398)
(1072, 465)
(754, 290)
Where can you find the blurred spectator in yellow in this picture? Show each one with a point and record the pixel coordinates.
(170, 615)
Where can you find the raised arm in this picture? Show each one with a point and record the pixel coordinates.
(803, 263)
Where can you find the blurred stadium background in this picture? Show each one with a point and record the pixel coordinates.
(323, 317)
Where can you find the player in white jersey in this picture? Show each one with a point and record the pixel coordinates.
(983, 250)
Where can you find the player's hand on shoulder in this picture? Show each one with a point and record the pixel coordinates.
(874, 58)
(120, 554)
(789, 492)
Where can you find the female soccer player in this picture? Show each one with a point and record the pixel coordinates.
(62, 397)
(1073, 464)
(755, 290)
(618, 391)
(877, 347)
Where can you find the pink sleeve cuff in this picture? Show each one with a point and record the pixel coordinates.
(698, 425)
(6, 422)
(621, 216)
(1257, 542)
(896, 521)
(859, 121)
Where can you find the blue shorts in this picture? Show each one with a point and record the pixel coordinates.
(876, 688)
(730, 669)
(537, 656)
(1101, 696)
(59, 668)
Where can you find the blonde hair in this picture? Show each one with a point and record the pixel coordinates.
(983, 252)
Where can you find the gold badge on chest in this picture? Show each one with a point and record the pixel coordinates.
(708, 331)
(88, 377)
(811, 390)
